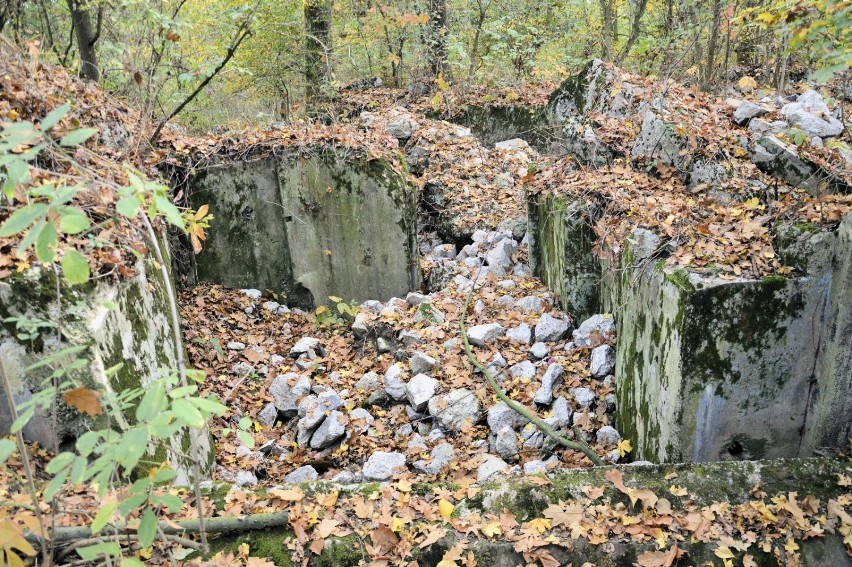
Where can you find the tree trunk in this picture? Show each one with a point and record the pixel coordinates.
(606, 25)
(87, 37)
(634, 30)
(712, 43)
(483, 9)
(436, 39)
(317, 48)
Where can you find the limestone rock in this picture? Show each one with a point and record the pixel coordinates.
(551, 379)
(524, 368)
(245, 478)
(521, 333)
(603, 326)
(283, 396)
(561, 412)
(515, 144)
(501, 415)
(480, 335)
(456, 409)
(748, 110)
(499, 257)
(530, 304)
(420, 363)
(401, 128)
(539, 350)
(360, 419)
(420, 390)
(235, 345)
(440, 458)
(394, 385)
(302, 474)
(369, 382)
(333, 428)
(268, 415)
(549, 329)
(583, 396)
(381, 466)
(490, 466)
(429, 313)
(811, 115)
(304, 345)
(608, 435)
(603, 361)
(506, 443)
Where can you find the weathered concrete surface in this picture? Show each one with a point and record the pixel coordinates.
(309, 225)
(711, 369)
(492, 124)
(125, 322)
(561, 241)
(728, 482)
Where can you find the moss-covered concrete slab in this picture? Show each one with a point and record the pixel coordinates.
(711, 368)
(308, 224)
(124, 322)
(758, 498)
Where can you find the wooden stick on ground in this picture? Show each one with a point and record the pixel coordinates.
(578, 445)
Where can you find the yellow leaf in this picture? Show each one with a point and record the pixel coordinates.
(492, 529)
(201, 212)
(447, 563)
(791, 546)
(321, 309)
(397, 524)
(677, 490)
(747, 83)
(445, 508)
(724, 552)
(442, 84)
(437, 100)
(335, 299)
(624, 447)
(753, 203)
(540, 525)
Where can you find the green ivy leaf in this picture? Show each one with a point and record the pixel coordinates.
(147, 528)
(170, 501)
(30, 237)
(75, 267)
(188, 413)
(54, 116)
(72, 220)
(128, 206)
(90, 553)
(246, 438)
(16, 172)
(77, 137)
(59, 462)
(22, 218)
(7, 447)
(46, 244)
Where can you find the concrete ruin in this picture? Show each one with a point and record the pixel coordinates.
(124, 322)
(307, 225)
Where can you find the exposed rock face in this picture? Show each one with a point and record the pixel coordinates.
(278, 227)
(136, 333)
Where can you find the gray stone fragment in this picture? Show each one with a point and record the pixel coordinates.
(602, 324)
(515, 144)
(530, 304)
(498, 361)
(417, 443)
(394, 385)
(535, 467)
(421, 362)
(360, 326)
(420, 390)
(283, 396)
(440, 458)
(242, 368)
(268, 415)
(254, 294)
(333, 428)
(490, 466)
(373, 306)
(521, 334)
(404, 430)
(506, 442)
(409, 338)
(383, 345)
(524, 369)
(235, 345)
(748, 110)
(501, 415)
(401, 128)
(369, 382)
(551, 379)
(301, 383)
(561, 412)
(381, 466)
(360, 419)
(603, 361)
(456, 409)
(499, 257)
(607, 435)
(506, 301)
(444, 251)
(276, 360)
(613, 456)
(415, 298)
(302, 474)
(429, 313)
(811, 115)
(303, 346)
(521, 269)
(480, 335)
(583, 397)
(539, 350)
(346, 477)
(245, 478)
(549, 329)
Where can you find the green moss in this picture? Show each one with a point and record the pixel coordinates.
(681, 279)
(270, 544)
(342, 552)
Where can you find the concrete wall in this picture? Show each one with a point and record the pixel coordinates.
(124, 322)
(711, 369)
(308, 226)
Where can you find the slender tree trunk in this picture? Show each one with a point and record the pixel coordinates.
(87, 36)
(634, 30)
(480, 22)
(606, 25)
(317, 48)
(712, 44)
(436, 39)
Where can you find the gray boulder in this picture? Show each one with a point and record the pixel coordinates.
(284, 397)
(302, 474)
(401, 128)
(499, 257)
(420, 390)
(520, 334)
(304, 345)
(268, 415)
(551, 379)
(583, 396)
(501, 415)
(602, 325)
(506, 442)
(524, 369)
(360, 419)
(455, 410)
(394, 385)
(479, 335)
(440, 457)
(608, 435)
(603, 361)
(748, 110)
(539, 350)
(812, 116)
(421, 362)
(381, 466)
(369, 382)
(530, 304)
(490, 466)
(561, 412)
(549, 329)
(333, 428)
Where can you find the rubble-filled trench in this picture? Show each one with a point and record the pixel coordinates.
(382, 390)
